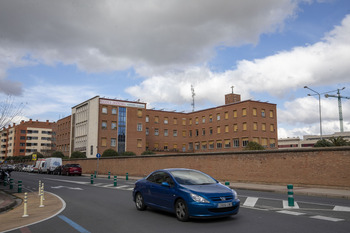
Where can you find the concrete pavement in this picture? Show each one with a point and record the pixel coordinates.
(11, 204)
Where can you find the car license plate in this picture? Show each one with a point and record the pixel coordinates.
(226, 204)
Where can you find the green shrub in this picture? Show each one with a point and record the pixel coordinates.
(128, 153)
(109, 153)
(77, 154)
(254, 146)
(57, 154)
(148, 152)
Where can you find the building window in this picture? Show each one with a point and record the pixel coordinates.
(165, 146)
(211, 144)
(190, 121)
(104, 142)
(196, 145)
(219, 144)
(244, 112)
(226, 115)
(271, 113)
(165, 132)
(156, 132)
(156, 119)
(23, 131)
(263, 127)
(114, 125)
(196, 120)
(104, 110)
(227, 143)
(203, 119)
(190, 133)
(218, 130)
(272, 128)
(121, 129)
(235, 142)
(175, 121)
(226, 129)
(254, 112)
(203, 131)
(156, 146)
(264, 142)
(183, 121)
(114, 111)
(210, 131)
(139, 112)
(104, 124)
(263, 112)
(255, 126)
(139, 143)
(234, 113)
(218, 116)
(147, 131)
(113, 142)
(204, 145)
(183, 133)
(245, 126)
(210, 118)
(272, 143)
(245, 142)
(139, 126)
(166, 120)
(147, 119)
(197, 132)
(256, 140)
(175, 133)
(190, 146)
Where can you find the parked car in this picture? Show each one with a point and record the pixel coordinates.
(28, 168)
(185, 192)
(71, 169)
(57, 170)
(50, 165)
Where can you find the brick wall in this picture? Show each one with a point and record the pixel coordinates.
(321, 167)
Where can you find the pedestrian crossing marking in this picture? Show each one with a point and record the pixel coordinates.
(319, 217)
(250, 201)
(286, 206)
(341, 208)
(290, 212)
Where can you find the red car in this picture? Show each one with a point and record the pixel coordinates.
(71, 169)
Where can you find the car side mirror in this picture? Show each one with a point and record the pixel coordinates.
(166, 184)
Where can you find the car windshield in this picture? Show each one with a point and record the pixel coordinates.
(74, 165)
(190, 177)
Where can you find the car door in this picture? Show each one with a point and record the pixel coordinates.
(163, 195)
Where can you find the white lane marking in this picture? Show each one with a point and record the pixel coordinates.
(250, 201)
(341, 208)
(70, 181)
(286, 206)
(123, 186)
(319, 217)
(290, 212)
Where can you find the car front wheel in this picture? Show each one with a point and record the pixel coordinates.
(139, 202)
(181, 210)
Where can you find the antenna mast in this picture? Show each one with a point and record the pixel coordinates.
(339, 106)
(193, 94)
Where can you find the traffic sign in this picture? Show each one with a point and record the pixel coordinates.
(98, 155)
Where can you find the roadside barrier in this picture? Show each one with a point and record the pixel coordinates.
(290, 195)
(115, 181)
(19, 186)
(25, 214)
(92, 179)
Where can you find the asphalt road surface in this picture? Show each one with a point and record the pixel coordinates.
(101, 207)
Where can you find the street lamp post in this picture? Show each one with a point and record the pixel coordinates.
(319, 107)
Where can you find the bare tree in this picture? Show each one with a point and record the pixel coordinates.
(9, 109)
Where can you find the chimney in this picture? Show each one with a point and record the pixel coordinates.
(232, 98)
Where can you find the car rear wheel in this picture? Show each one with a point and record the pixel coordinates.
(139, 202)
(181, 210)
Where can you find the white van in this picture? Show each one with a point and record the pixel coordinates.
(39, 165)
(51, 164)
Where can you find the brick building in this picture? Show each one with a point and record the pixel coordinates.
(63, 135)
(99, 124)
(27, 138)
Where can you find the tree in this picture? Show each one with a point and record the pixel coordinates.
(57, 154)
(323, 143)
(9, 110)
(339, 141)
(77, 155)
(109, 153)
(254, 146)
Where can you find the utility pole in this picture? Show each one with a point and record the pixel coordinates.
(339, 106)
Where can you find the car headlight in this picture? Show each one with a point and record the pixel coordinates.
(234, 194)
(198, 198)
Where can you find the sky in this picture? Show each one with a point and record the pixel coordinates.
(57, 54)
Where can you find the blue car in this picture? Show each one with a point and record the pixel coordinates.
(185, 192)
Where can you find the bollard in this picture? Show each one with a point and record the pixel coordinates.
(39, 187)
(92, 179)
(290, 195)
(95, 174)
(41, 191)
(11, 183)
(5, 180)
(109, 175)
(127, 176)
(42, 187)
(227, 183)
(25, 206)
(19, 186)
(115, 181)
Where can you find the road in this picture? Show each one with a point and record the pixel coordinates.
(101, 207)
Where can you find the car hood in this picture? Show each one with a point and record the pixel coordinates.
(208, 190)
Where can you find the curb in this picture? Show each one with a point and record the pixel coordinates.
(8, 202)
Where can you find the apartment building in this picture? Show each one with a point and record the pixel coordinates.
(224, 128)
(63, 135)
(99, 124)
(27, 138)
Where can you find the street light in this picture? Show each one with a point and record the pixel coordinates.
(319, 107)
